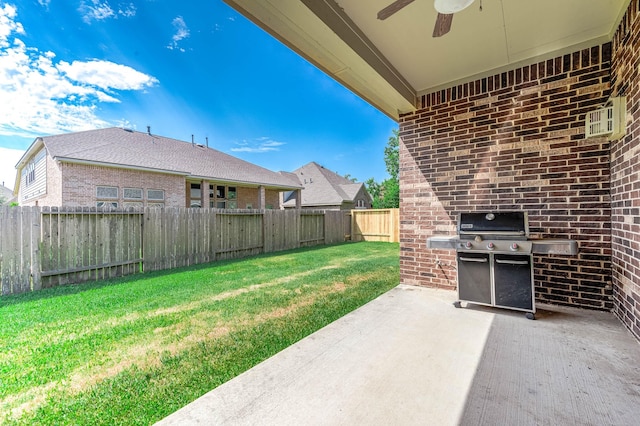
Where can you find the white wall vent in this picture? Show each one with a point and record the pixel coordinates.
(610, 120)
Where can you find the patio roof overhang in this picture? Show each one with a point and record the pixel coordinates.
(390, 63)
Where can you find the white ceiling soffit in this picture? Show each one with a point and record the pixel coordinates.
(390, 62)
(482, 42)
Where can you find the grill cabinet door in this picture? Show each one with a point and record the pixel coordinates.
(513, 281)
(474, 277)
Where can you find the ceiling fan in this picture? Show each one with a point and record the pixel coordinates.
(445, 9)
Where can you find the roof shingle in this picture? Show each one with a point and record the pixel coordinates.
(128, 148)
(323, 187)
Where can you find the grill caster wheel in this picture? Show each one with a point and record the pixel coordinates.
(457, 304)
(530, 316)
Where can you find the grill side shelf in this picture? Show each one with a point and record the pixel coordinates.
(542, 246)
(553, 246)
(442, 242)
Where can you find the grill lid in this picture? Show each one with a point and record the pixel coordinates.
(494, 223)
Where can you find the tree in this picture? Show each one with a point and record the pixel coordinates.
(373, 188)
(392, 155)
(386, 195)
(352, 179)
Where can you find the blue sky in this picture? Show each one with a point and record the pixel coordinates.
(184, 68)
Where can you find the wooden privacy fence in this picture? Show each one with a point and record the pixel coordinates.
(46, 247)
(375, 225)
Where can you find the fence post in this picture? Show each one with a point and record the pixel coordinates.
(36, 278)
(265, 241)
(354, 227)
(395, 225)
(4, 289)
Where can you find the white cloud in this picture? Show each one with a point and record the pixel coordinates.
(8, 160)
(106, 75)
(128, 10)
(96, 10)
(182, 32)
(8, 25)
(260, 145)
(40, 96)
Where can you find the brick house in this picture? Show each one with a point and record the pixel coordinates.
(492, 116)
(123, 168)
(326, 190)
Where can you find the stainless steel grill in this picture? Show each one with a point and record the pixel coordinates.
(495, 258)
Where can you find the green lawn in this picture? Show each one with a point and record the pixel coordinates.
(133, 350)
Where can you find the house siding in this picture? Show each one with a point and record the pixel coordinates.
(30, 192)
(625, 173)
(513, 141)
(365, 197)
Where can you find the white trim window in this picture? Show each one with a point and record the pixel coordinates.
(107, 192)
(155, 195)
(107, 197)
(132, 194)
(225, 197)
(105, 204)
(132, 204)
(30, 173)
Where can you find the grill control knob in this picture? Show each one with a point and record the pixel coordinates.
(468, 244)
(514, 247)
(491, 246)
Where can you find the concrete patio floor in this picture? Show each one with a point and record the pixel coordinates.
(410, 357)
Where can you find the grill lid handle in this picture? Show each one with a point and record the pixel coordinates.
(474, 259)
(492, 232)
(513, 262)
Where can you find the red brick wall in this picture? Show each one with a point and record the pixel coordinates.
(79, 183)
(251, 196)
(625, 173)
(513, 141)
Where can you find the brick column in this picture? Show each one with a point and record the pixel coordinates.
(261, 197)
(298, 199)
(204, 194)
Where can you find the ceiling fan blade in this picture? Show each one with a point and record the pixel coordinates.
(393, 8)
(443, 24)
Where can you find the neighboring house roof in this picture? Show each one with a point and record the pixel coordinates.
(118, 147)
(323, 187)
(6, 195)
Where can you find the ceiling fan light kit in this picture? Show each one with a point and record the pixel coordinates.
(447, 7)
